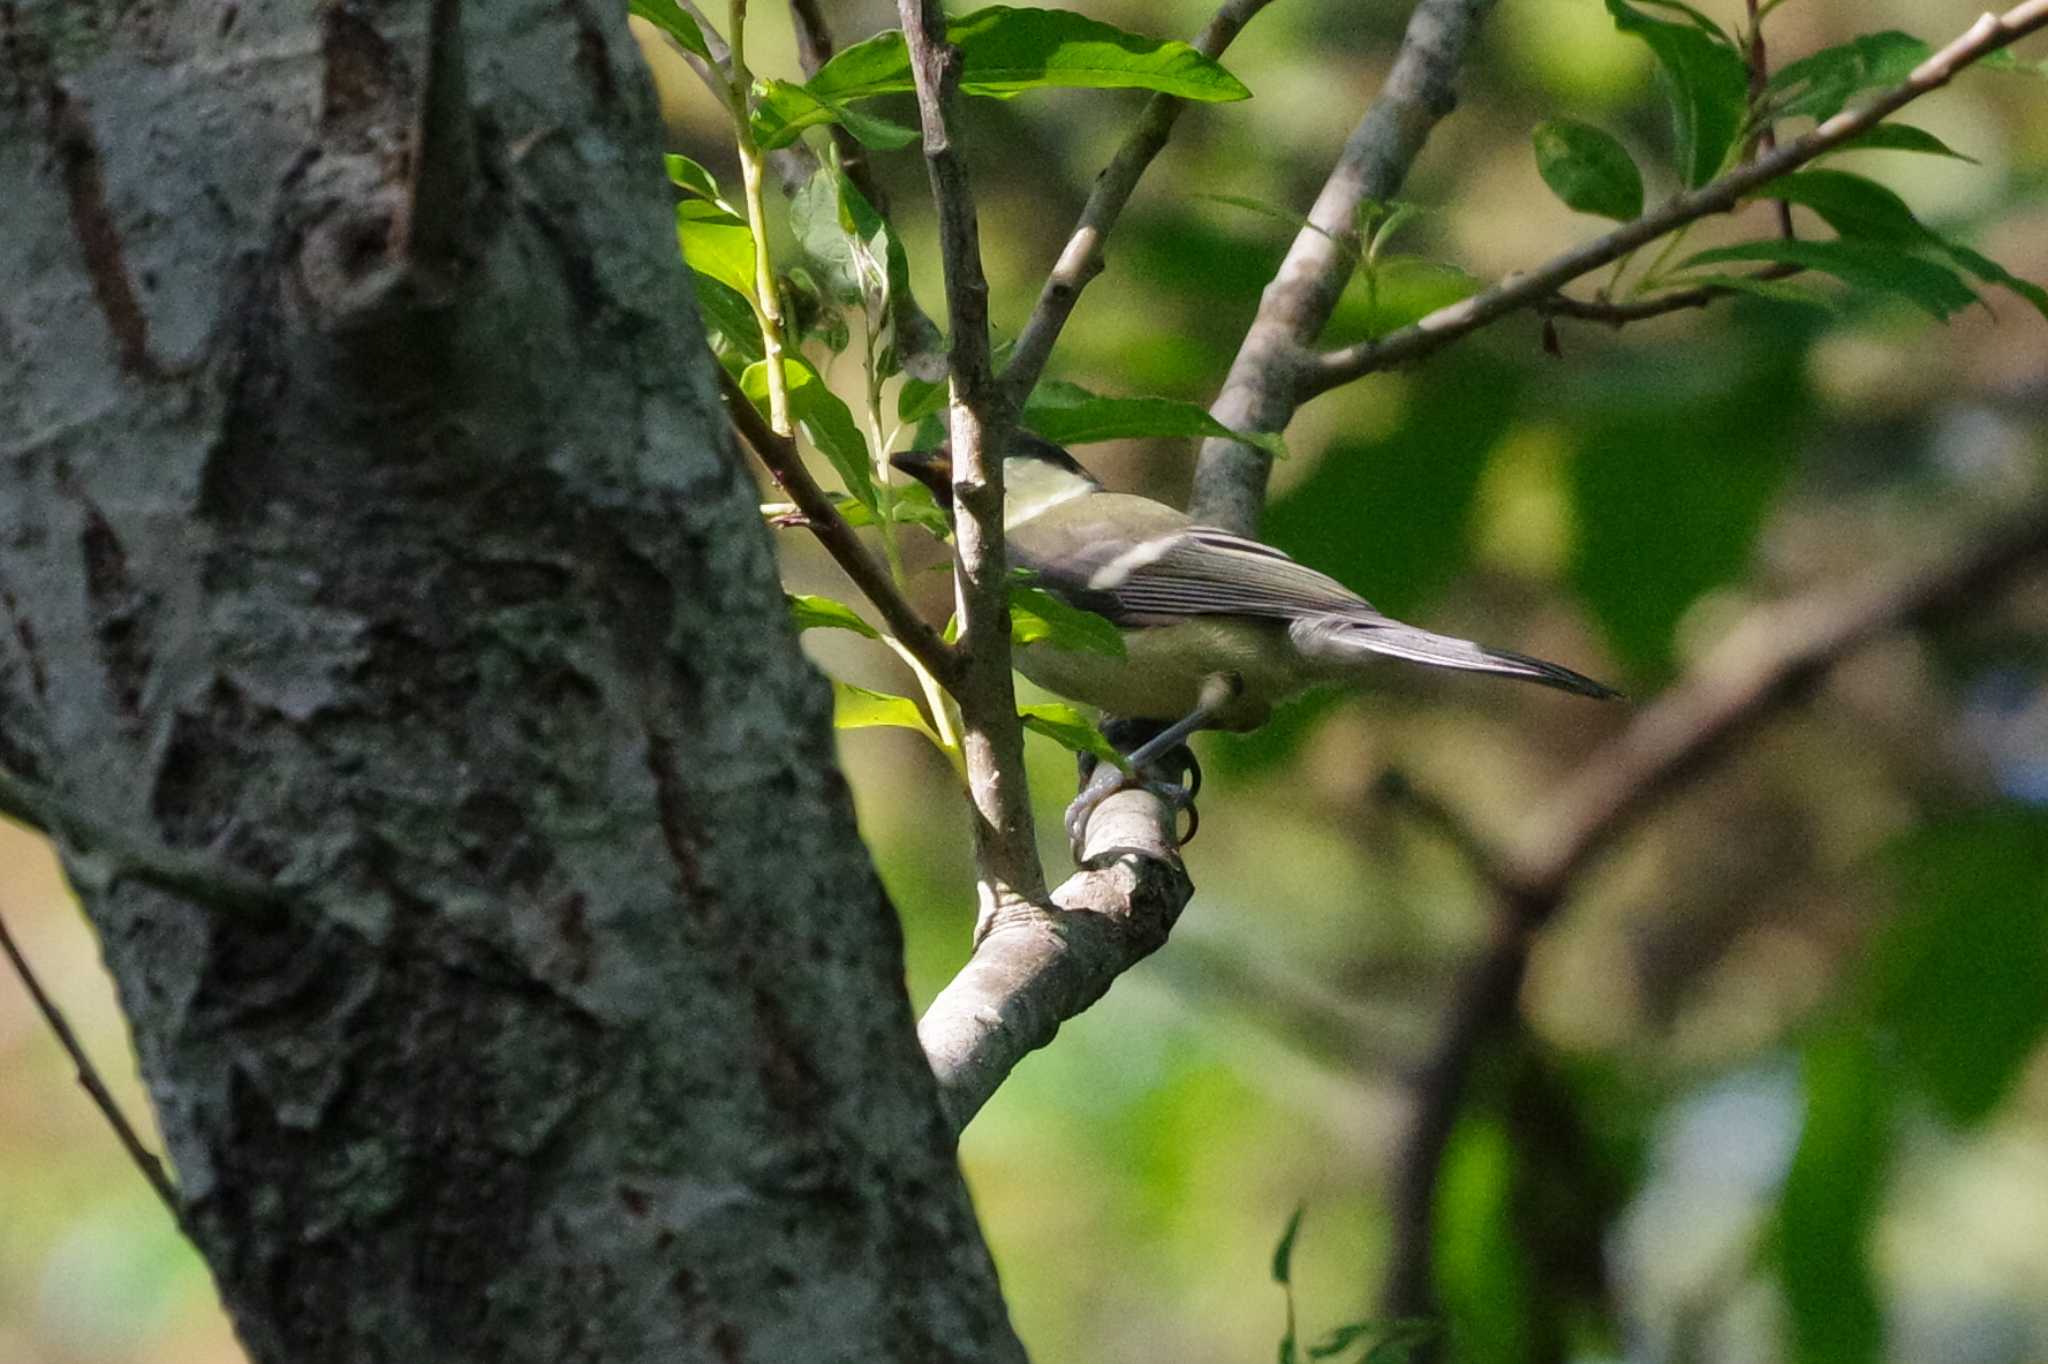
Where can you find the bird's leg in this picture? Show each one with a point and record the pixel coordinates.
(1166, 750)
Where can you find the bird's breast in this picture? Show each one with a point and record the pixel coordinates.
(1161, 676)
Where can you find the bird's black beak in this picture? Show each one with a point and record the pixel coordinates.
(933, 468)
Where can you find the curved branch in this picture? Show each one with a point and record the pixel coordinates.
(1080, 259)
(1035, 965)
(779, 454)
(1445, 325)
(1764, 664)
(1267, 379)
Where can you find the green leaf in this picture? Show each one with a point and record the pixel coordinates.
(1071, 730)
(1900, 137)
(913, 506)
(717, 244)
(1399, 290)
(1991, 272)
(1818, 86)
(1007, 51)
(688, 175)
(823, 613)
(1709, 87)
(1830, 1199)
(1482, 1267)
(728, 317)
(1863, 264)
(850, 267)
(859, 708)
(1344, 242)
(917, 399)
(1853, 205)
(782, 111)
(824, 418)
(1700, 20)
(1283, 1253)
(1960, 977)
(1776, 290)
(1396, 1342)
(1588, 169)
(671, 19)
(1038, 616)
(1068, 414)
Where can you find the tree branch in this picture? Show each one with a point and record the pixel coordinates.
(785, 464)
(444, 157)
(1764, 664)
(90, 1081)
(992, 741)
(1445, 325)
(1036, 965)
(1080, 260)
(1266, 379)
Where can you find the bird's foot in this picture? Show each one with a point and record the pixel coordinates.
(1174, 778)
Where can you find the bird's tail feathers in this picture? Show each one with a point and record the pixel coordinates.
(1341, 640)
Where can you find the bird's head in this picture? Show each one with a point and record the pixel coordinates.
(1036, 473)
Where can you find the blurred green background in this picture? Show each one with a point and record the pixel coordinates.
(1784, 1096)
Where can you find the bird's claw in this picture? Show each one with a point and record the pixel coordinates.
(1101, 781)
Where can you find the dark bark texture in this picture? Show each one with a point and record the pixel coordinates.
(369, 522)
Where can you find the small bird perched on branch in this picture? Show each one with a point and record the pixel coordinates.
(1217, 628)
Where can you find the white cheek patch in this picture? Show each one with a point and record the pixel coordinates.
(1112, 574)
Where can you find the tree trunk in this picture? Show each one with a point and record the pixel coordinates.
(369, 524)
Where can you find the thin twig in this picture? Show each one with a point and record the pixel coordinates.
(779, 454)
(1006, 851)
(1445, 325)
(89, 1079)
(1766, 663)
(1641, 310)
(106, 854)
(1080, 260)
(1265, 382)
(1766, 139)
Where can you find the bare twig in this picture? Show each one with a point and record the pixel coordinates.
(785, 464)
(1006, 853)
(1268, 378)
(1080, 259)
(1764, 664)
(1035, 966)
(89, 1079)
(1445, 325)
(105, 854)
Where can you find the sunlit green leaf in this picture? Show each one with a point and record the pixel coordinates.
(686, 174)
(1588, 169)
(1831, 1196)
(1863, 264)
(728, 317)
(823, 613)
(782, 110)
(860, 708)
(1397, 291)
(1068, 414)
(1818, 86)
(1036, 615)
(918, 399)
(824, 417)
(1007, 51)
(1700, 20)
(671, 19)
(717, 244)
(1071, 730)
(1960, 977)
(1709, 87)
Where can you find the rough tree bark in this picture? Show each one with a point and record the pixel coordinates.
(369, 524)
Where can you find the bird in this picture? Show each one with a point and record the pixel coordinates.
(1217, 627)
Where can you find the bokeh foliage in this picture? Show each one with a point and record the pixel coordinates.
(1781, 1095)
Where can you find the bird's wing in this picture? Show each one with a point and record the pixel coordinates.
(1130, 558)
